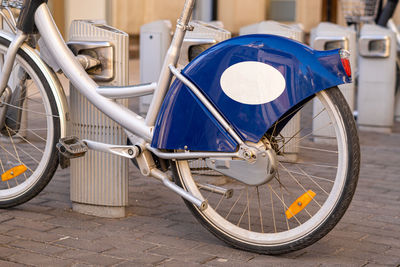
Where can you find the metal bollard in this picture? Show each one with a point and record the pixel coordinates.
(327, 36)
(377, 80)
(296, 33)
(99, 181)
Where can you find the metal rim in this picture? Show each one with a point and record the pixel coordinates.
(22, 188)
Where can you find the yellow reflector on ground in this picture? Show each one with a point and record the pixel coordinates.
(13, 172)
(300, 204)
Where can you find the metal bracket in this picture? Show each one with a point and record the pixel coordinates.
(102, 51)
(129, 152)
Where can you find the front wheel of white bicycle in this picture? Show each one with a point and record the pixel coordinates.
(28, 154)
(317, 176)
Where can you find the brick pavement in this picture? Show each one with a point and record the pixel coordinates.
(159, 230)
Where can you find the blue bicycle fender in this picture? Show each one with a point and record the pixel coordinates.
(227, 75)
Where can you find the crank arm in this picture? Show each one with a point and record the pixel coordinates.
(163, 177)
(148, 168)
(129, 152)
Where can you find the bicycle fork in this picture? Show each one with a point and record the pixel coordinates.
(5, 91)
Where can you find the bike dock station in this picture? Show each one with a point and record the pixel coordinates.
(377, 80)
(328, 36)
(99, 181)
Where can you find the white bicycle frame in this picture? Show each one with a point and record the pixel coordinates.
(95, 94)
(102, 97)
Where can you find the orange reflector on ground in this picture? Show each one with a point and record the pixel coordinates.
(13, 172)
(300, 204)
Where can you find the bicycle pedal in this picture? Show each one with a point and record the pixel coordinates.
(72, 147)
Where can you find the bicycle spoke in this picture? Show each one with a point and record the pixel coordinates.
(286, 207)
(283, 206)
(304, 137)
(244, 211)
(29, 110)
(234, 204)
(321, 150)
(306, 174)
(273, 211)
(259, 210)
(313, 176)
(297, 181)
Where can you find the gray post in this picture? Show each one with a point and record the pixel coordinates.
(377, 80)
(155, 38)
(327, 36)
(99, 181)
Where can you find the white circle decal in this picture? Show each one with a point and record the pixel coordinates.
(252, 83)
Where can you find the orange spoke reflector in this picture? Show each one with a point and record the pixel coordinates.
(13, 172)
(300, 204)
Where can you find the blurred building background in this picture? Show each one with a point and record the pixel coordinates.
(129, 15)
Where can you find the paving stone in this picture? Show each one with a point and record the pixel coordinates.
(393, 252)
(222, 261)
(34, 225)
(390, 241)
(4, 217)
(57, 204)
(222, 249)
(34, 259)
(32, 207)
(4, 239)
(130, 264)
(33, 216)
(387, 260)
(6, 251)
(29, 234)
(133, 244)
(89, 245)
(137, 257)
(74, 222)
(175, 262)
(77, 233)
(191, 256)
(179, 243)
(89, 257)
(10, 264)
(38, 247)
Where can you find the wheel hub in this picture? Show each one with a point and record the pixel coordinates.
(258, 171)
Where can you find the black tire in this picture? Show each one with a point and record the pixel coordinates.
(32, 145)
(335, 212)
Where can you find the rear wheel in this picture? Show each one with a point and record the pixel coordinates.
(28, 156)
(318, 154)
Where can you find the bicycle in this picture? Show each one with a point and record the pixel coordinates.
(213, 135)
